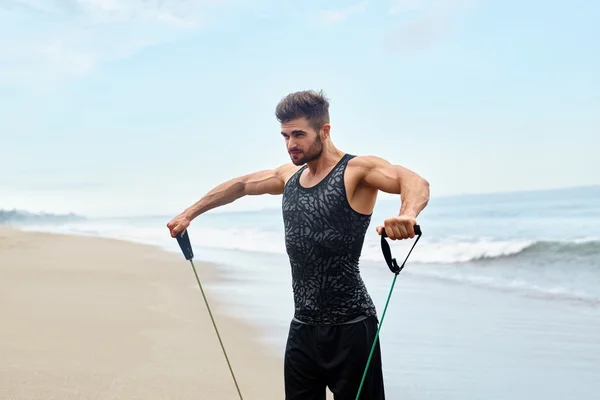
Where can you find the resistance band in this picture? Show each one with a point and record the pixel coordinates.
(393, 266)
(186, 248)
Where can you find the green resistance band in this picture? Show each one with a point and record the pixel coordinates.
(393, 266)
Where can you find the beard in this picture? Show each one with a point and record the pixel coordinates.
(314, 151)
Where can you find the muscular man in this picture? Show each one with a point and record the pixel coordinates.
(328, 199)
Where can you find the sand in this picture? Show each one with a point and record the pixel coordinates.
(90, 318)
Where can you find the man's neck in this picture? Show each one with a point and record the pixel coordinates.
(329, 158)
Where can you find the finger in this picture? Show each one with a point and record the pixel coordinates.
(391, 232)
(379, 229)
(388, 230)
(398, 232)
(410, 230)
(403, 234)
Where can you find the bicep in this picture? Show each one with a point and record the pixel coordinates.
(384, 178)
(269, 181)
(263, 182)
(383, 175)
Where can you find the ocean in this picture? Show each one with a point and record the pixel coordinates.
(500, 299)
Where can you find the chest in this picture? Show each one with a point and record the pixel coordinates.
(321, 206)
(310, 181)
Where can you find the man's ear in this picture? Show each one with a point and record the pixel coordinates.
(325, 130)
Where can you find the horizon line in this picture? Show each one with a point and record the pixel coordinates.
(385, 200)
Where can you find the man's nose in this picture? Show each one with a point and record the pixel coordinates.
(291, 144)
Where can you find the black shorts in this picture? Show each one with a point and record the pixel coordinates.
(332, 356)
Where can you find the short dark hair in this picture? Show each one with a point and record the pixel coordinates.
(307, 103)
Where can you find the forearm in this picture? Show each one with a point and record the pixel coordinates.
(223, 194)
(414, 194)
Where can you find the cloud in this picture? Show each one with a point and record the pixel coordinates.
(176, 14)
(425, 22)
(331, 17)
(55, 40)
(37, 5)
(402, 6)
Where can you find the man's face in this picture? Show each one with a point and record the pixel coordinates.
(302, 141)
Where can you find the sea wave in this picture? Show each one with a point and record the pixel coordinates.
(429, 251)
(22, 217)
(448, 251)
(507, 265)
(486, 250)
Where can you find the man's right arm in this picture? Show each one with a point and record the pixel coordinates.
(271, 181)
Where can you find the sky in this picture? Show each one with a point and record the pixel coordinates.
(133, 107)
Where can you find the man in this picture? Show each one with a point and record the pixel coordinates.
(328, 199)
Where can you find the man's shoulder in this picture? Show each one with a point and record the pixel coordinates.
(366, 162)
(285, 171)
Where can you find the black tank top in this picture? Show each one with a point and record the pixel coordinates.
(324, 238)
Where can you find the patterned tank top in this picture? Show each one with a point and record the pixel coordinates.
(324, 237)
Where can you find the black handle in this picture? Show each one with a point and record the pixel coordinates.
(185, 245)
(387, 252)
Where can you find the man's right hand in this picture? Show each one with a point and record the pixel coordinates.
(178, 224)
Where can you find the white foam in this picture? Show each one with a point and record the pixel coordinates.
(445, 251)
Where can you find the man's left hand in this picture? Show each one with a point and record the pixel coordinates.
(399, 227)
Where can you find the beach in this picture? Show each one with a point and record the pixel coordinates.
(95, 318)
(494, 303)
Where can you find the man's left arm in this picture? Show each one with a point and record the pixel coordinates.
(412, 188)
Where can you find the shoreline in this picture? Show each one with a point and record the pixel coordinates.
(444, 341)
(96, 318)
